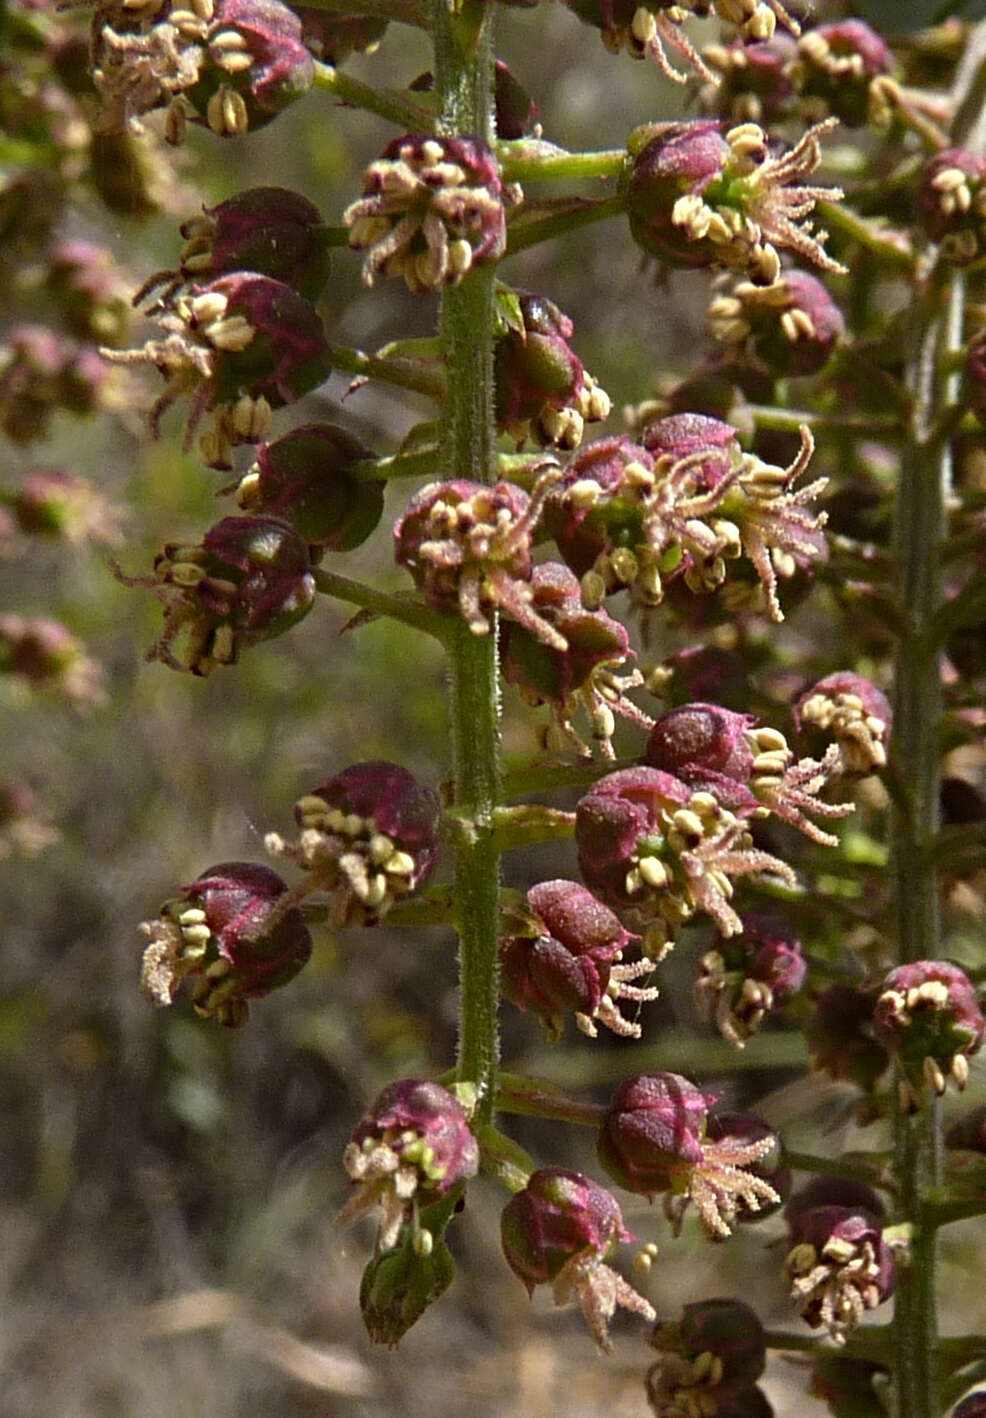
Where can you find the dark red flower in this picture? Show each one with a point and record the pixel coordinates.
(839, 1264)
(928, 1016)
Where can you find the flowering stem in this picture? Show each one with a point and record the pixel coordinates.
(380, 604)
(464, 84)
(529, 160)
(384, 103)
(529, 233)
(406, 373)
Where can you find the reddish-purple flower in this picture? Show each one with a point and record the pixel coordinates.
(369, 836)
(951, 204)
(744, 978)
(715, 1352)
(432, 208)
(560, 1231)
(653, 1139)
(571, 962)
(850, 710)
(839, 1264)
(927, 1015)
(787, 329)
(233, 933)
(837, 66)
(306, 477)
(542, 390)
(411, 1147)
(249, 579)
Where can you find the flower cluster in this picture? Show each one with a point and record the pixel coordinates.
(951, 204)
(743, 978)
(928, 1017)
(850, 711)
(839, 1264)
(714, 1354)
(787, 329)
(432, 208)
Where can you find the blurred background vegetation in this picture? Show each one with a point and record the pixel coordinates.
(167, 1188)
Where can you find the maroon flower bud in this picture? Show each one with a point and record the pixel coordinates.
(788, 329)
(840, 1035)
(88, 286)
(333, 38)
(306, 477)
(755, 84)
(468, 547)
(239, 345)
(231, 931)
(771, 1167)
(745, 977)
(542, 390)
(653, 1139)
(852, 711)
(699, 195)
(928, 1017)
(743, 765)
(54, 502)
(573, 963)
(268, 230)
(42, 372)
(411, 1148)
(838, 1262)
(560, 1230)
(837, 66)
(431, 209)
(951, 204)
(515, 111)
(584, 673)
(972, 1406)
(400, 1284)
(702, 672)
(45, 654)
(250, 579)
(369, 836)
(851, 1388)
(715, 1352)
(647, 841)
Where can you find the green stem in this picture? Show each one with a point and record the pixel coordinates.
(790, 420)
(924, 487)
(385, 103)
(405, 373)
(464, 85)
(523, 234)
(379, 604)
(529, 160)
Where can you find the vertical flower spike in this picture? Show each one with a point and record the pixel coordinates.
(788, 329)
(653, 1140)
(951, 204)
(838, 1262)
(852, 712)
(715, 1352)
(743, 978)
(368, 836)
(732, 757)
(431, 209)
(701, 195)
(410, 1149)
(468, 548)
(306, 478)
(560, 1231)
(230, 932)
(240, 346)
(542, 390)
(836, 67)
(928, 1017)
(573, 964)
(585, 673)
(646, 840)
(232, 64)
(250, 579)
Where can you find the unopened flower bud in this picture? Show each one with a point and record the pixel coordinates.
(228, 933)
(560, 1230)
(538, 377)
(305, 478)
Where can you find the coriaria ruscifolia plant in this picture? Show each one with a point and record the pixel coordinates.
(866, 368)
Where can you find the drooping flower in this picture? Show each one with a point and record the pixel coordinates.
(647, 840)
(368, 836)
(927, 1015)
(742, 979)
(850, 710)
(839, 1264)
(586, 673)
(699, 194)
(572, 962)
(653, 1140)
(951, 204)
(468, 547)
(249, 579)
(431, 209)
(715, 1352)
(411, 1147)
(229, 931)
(560, 1231)
(789, 328)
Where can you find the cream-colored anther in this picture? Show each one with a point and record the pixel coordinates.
(400, 864)
(624, 564)
(249, 487)
(234, 333)
(459, 256)
(933, 1075)
(204, 309)
(584, 493)
(959, 1070)
(379, 848)
(705, 804)
(218, 968)
(235, 61)
(191, 916)
(352, 825)
(653, 871)
(643, 26)
(186, 573)
(688, 823)
(196, 934)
